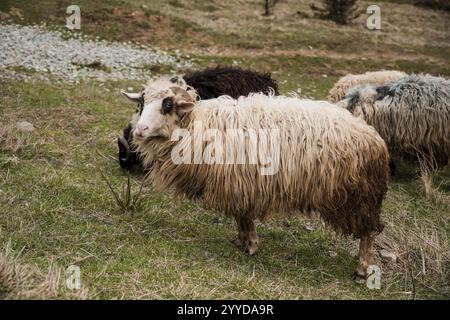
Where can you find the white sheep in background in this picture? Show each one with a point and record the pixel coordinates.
(328, 161)
(344, 84)
(411, 114)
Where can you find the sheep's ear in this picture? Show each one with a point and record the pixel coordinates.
(135, 97)
(382, 92)
(184, 106)
(183, 101)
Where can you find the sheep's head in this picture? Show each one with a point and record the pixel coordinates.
(360, 100)
(160, 113)
(152, 89)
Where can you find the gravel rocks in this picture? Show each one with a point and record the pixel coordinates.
(33, 52)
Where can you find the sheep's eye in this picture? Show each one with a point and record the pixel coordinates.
(167, 105)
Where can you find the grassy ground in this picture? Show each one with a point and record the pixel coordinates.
(56, 209)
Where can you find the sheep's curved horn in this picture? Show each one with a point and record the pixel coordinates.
(124, 142)
(135, 97)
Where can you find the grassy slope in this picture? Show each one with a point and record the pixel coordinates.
(54, 204)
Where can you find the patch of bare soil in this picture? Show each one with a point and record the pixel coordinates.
(11, 14)
(145, 26)
(238, 52)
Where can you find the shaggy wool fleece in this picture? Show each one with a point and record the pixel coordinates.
(329, 162)
(342, 87)
(209, 83)
(411, 114)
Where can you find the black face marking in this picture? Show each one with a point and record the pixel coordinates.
(382, 92)
(354, 99)
(174, 79)
(167, 105)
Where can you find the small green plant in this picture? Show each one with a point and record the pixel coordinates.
(126, 200)
(340, 11)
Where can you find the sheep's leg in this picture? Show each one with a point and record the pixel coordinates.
(242, 235)
(365, 257)
(252, 243)
(247, 237)
(392, 167)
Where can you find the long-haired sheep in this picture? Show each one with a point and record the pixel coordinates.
(327, 160)
(209, 83)
(411, 114)
(344, 84)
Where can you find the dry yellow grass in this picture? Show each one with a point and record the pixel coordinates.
(23, 281)
(402, 25)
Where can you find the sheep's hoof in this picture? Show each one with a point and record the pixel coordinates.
(359, 278)
(251, 248)
(251, 251)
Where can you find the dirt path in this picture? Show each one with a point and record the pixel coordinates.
(370, 55)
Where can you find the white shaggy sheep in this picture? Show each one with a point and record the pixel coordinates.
(411, 114)
(209, 83)
(344, 84)
(327, 160)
